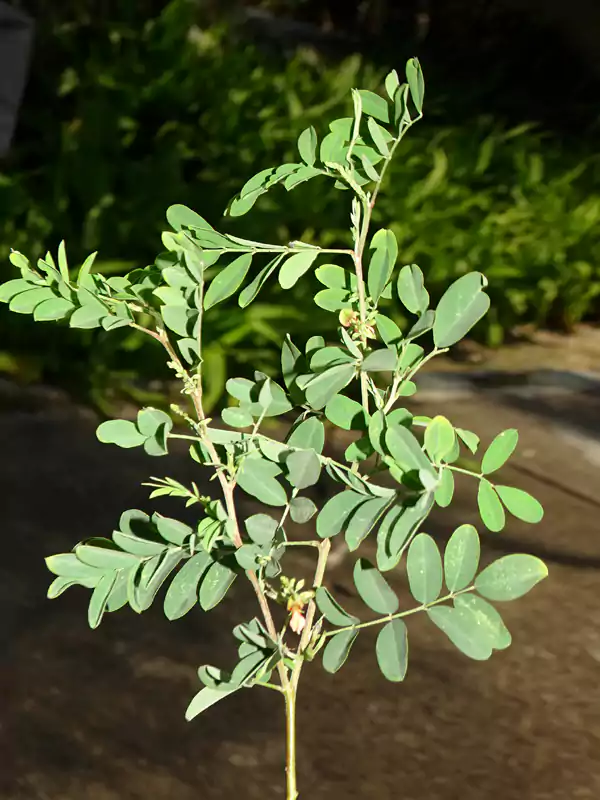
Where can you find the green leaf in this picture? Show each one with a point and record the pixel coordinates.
(327, 384)
(55, 308)
(462, 305)
(469, 438)
(330, 357)
(228, 281)
(295, 266)
(382, 261)
(487, 619)
(335, 277)
(333, 299)
(461, 627)
(307, 146)
(249, 556)
(392, 83)
(411, 289)
(445, 490)
(304, 468)
(302, 509)
(105, 557)
(380, 137)
(249, 293)
(179, 319)
(206, 698)
(136, 545)
(332, 610)
(387, 329)
(521, 504)
(510, 577)
(120, 432)
(345, 413)
(292, 362)
(308, 435)
(461, 558)
(26, 302)
(149, 420)
(261, 528)
(490, 507)
(182, 594)
(237, 417)
(405, 450)
(374, 106)
(12, 288)
(392, 650)
(439, 438)
(373, 588)
(67, 565)
(337, 650)
(257, 477)
(215, 584)
(99, 599)
(499, 451)
(384, 360)
(363, 520)
(336, 511)
(416, 84)
(424, 567)
(172, 530)
(180, 216)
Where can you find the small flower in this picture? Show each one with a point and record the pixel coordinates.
(297, 619)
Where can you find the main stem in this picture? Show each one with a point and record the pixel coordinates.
(290, 741)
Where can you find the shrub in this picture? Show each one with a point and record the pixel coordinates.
(389, 479)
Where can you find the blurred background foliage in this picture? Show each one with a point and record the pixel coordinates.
(132, 106)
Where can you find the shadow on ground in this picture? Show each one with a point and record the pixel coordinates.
(100, 714)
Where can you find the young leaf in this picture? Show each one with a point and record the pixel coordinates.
(462, 305)
(295, 266)
(304, 468)
(490, 507)
(215, 584)
(337, 650)
(439, 438)
(380, 137)
(416, 84)
(392, 650)
(499, 451)
(373, 588)
(521, 504)
(424, 567)
(332, 610)
(307, 146)
(374, 106)
(510, 577)
(461, 558)
(382, 262)
(411, 289)
(336, 511)
(227, 281)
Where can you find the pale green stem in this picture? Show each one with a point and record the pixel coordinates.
(290, 742)
(400, 614)
(464, 471)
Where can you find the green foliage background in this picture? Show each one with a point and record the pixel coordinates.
(127, 117)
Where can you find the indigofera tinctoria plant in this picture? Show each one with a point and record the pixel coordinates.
(397, 468)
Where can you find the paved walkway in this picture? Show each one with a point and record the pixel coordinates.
(99, 715)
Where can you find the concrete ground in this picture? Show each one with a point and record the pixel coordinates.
(99, 714)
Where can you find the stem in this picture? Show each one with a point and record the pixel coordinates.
(400, 614)
(290, 742)
(464, 471)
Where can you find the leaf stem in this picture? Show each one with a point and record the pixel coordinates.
(400, 614)
(470, 472)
